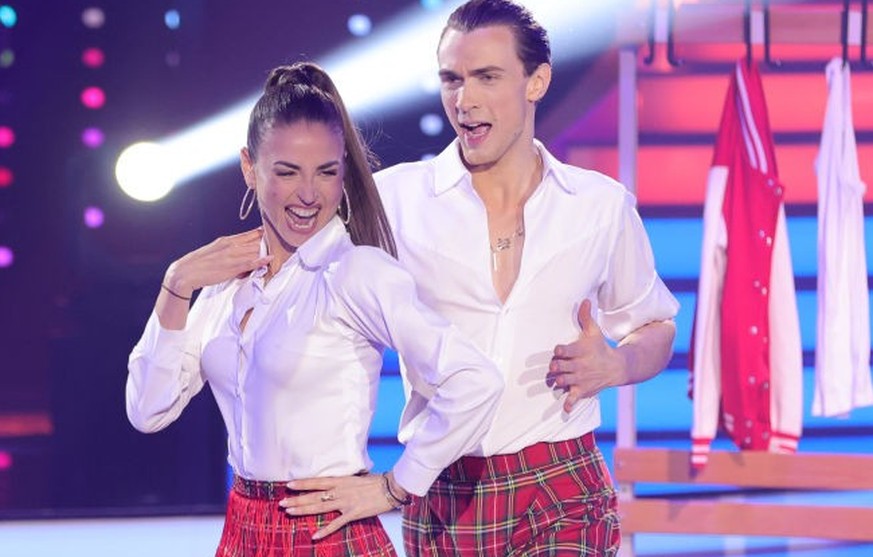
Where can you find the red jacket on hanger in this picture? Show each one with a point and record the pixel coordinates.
(746, 352)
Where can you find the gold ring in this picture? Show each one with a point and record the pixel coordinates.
(327, 496)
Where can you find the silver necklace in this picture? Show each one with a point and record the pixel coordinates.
(505, 243)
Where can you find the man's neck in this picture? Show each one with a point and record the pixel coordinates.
(509, 183)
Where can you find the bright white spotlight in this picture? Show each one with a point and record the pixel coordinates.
(145, 171)
(430, 83)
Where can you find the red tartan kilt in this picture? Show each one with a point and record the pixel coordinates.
(553, 499)
(255, 526)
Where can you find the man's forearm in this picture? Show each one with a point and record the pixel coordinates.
(647, 351)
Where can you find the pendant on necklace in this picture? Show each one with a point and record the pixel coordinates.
(503, 244)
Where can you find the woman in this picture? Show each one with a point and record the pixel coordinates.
(289, 332)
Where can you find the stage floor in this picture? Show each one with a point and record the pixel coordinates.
(198, 537)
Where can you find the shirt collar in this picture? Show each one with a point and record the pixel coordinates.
(317, 251)
(321, 249)
(449, 169)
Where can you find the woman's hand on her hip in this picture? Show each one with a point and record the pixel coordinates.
(354, 497)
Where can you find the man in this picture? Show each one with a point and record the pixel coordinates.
(505, 241)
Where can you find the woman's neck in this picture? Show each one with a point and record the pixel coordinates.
(277, 247)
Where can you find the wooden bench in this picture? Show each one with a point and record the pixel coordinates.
(747, 469)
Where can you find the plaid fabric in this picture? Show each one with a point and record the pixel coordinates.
(553, 499)
(255, 526)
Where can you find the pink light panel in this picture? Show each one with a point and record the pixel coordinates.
(7, 137)
(93, 98)
(6, 177)
(93, 57)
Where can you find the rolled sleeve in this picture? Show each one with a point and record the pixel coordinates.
(632, 294)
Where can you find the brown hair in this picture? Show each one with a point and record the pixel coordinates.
(304, 92)
(531, 39)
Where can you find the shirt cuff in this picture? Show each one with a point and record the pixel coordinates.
(413, 476)
(658, 304)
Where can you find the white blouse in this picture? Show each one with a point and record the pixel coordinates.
(297, 388)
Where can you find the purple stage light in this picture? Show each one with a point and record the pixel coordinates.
(93, 137)
(6, 257)
(93, 217)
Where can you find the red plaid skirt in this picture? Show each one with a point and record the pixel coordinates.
(255, 526)
(553, 499)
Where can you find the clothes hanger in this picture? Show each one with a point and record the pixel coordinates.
(650, 57)
(865, 63)
(747, 30)
(768, 59)
(844, 32)
(671, 48)
(671, 43)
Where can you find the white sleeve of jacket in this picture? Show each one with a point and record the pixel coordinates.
(786, 353)
(706, 367)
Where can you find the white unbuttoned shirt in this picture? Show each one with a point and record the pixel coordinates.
(297, 388)
(842, 354)
(583, 239)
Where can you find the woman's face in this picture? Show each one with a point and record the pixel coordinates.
(297, 175)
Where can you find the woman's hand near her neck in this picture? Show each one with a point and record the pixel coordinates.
(216, 262)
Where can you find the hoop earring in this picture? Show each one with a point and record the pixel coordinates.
(348, 216)
(245, 208)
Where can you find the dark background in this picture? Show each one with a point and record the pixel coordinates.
(76, 299)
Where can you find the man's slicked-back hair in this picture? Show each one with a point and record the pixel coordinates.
(531, 39)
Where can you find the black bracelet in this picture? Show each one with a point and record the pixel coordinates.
(389, 498)
(398, 502)
(167, 288)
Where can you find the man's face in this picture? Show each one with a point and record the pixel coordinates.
(485, 93)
